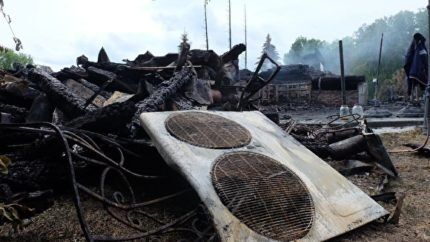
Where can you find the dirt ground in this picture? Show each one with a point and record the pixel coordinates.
(59, 223)
(414, 182)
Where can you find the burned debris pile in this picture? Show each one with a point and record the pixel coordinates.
(79, 126)
(77, 133)
(351, 147)
(349, 140)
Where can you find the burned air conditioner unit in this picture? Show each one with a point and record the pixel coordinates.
(258, 182)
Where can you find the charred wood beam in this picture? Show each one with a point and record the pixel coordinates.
(348, 147)
(85, 63)
(206, 58)
(336, 136)
(320, 150)
(73, 72)
(149, 69)
(233, 54)
(161, 60)
(124, 69)
(166, 90)
(151, 74)
(101, 74)
(106, 76)
(71, 104)
(108, 119)
(140, 59)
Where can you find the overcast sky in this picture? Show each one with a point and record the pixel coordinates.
(55, 32)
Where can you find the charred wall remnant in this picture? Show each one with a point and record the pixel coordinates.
(304, 84)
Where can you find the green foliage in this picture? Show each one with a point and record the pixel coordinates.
(8, 57)
(271, 51)
(301, 48)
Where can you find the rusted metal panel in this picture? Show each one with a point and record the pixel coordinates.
(339, 205)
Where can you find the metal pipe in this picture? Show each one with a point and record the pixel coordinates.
(246, 42)
(206, 25)
(229, 23)
(342, 74)
(427, 111)
(378, 70)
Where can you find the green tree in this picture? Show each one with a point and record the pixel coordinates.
(8, 57)
(271, 51)
(306, 51)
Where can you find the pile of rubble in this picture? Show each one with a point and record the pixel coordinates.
(81, 96)
(77, 133)
(67, 128)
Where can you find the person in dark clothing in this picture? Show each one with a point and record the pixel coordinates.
(416, 66)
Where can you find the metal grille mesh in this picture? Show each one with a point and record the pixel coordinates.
(207, 130)
(264, 195)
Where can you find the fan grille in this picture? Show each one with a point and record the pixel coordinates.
(263, 194)
(207, 130)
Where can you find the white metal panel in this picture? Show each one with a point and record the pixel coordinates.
(339, 205)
